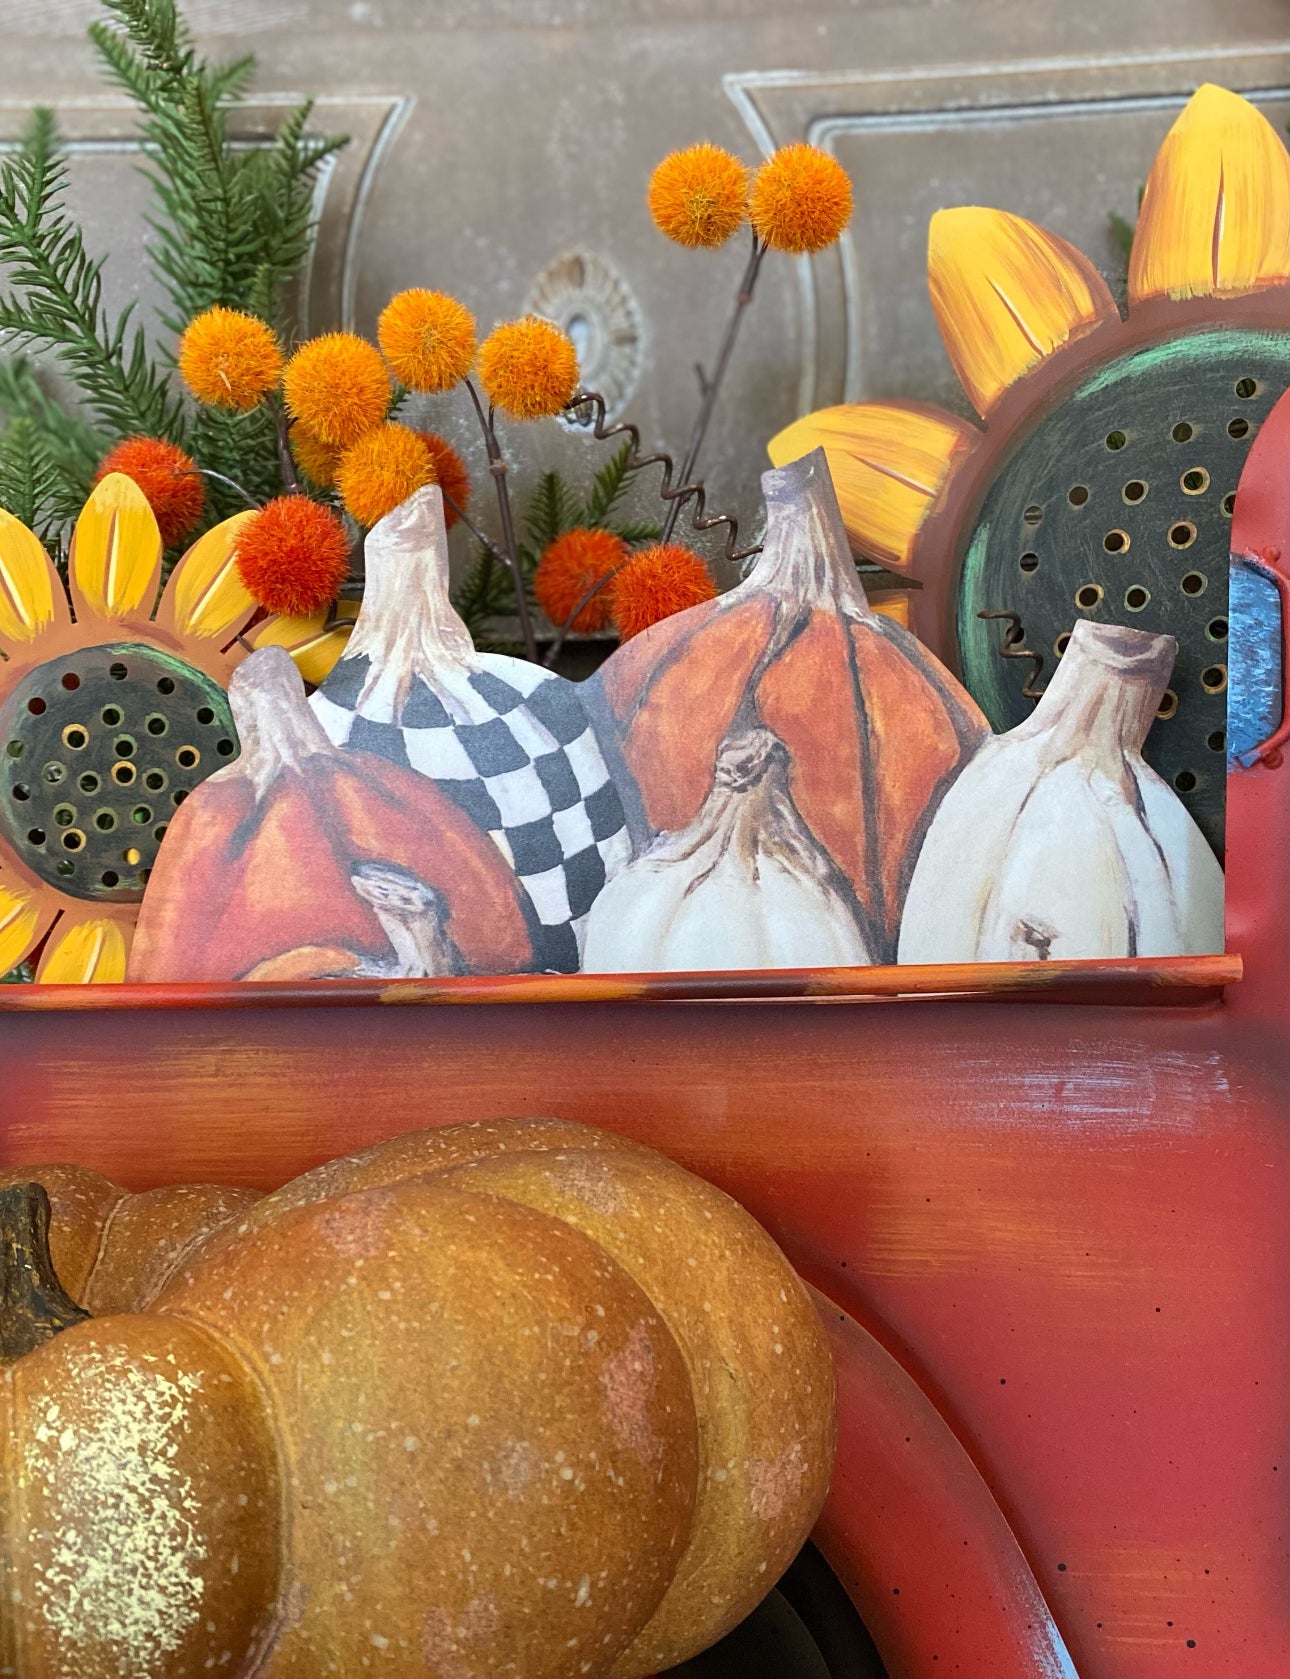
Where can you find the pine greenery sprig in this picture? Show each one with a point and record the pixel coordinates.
(233, 225)
(57, 297)
(69, 449)
(26, 474)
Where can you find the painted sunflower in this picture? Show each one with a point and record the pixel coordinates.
(1102, 481)
(112, 709)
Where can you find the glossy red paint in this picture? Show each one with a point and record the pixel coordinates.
(1054, 1235)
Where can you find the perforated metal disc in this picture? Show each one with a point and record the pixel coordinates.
(99, 747)
(1117, 508)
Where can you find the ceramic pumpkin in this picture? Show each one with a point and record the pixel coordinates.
(875, 729)
(436, 1422)
(302, 861)
(115, 1252)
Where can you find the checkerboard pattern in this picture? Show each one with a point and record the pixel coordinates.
(511, 745)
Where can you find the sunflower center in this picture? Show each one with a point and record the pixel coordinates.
(1116, 506)
(99, 748)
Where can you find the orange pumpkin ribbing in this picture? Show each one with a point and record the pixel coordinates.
(299, 844)
(470, 1382)
(688, 705)
(798, 689)
(919, 749)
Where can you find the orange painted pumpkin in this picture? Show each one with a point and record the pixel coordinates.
(301, 861)
(505, 1398)
(875, 728)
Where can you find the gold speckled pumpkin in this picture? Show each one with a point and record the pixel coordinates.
(511, 1398)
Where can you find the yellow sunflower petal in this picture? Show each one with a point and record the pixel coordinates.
(84, 952)
(205, 594)
(1215, 217)
(1007, 294)
(115, 562)
(31, 597)
(889, 462)
(22, 921)
(314, 648)
(894, 604)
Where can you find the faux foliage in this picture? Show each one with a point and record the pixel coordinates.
(230, 223)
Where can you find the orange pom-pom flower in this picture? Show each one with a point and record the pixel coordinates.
(449, 473)
(316, 459)
(338, 387)
(571, 565)
(293, 556)
(801, 200)
(699, 196)
(529, 368)
(381, 470)
(428, 339)
(655, 584)
(229, 359)
(167, 476)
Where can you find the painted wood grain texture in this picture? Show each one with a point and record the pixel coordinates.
(916, 1533)
(1177, 981)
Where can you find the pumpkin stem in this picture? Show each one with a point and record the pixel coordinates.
(805, 555)
(407, 626)
(275, 725)
(1105, 692)
(34, 1306)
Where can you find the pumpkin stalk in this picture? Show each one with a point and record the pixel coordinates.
(275, 726)
(34, 1306)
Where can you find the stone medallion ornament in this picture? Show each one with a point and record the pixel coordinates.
(586, 296)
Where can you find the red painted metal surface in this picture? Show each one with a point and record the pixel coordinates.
(1060, 1230)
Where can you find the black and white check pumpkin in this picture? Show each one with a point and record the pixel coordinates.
(507, 741)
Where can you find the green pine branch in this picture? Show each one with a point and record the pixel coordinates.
(551, 509)
(636, 531)
(484, 593)
(73, 440)
(231, 225)
(242, 447)
(26, 473)
(1121, 229)
(608, 487)
(56, 296)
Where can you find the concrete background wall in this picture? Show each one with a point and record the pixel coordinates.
(493, 139)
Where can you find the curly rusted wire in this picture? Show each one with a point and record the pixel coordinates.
(1014, 648)
(692, 491)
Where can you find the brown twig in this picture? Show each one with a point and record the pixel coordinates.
(588, 595)
(1013, 648)
(603, 432)
(286, 460)
(484, 541)
(712, 384)
(498, 468)
(231, 483)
